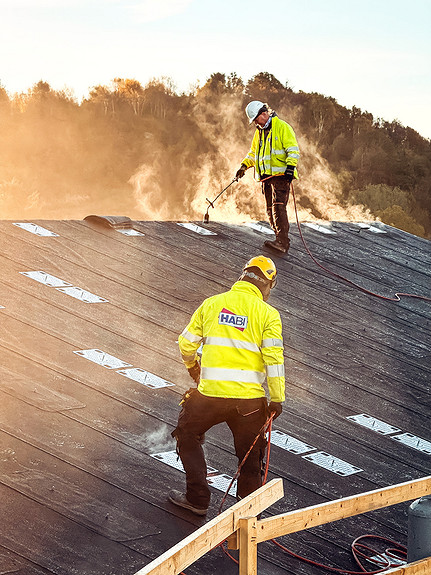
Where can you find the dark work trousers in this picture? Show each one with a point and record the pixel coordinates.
(245, 418)
(276, 190)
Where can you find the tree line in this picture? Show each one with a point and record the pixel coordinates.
(145, 150)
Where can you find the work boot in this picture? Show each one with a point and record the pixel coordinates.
(178, 498)
(276, 245)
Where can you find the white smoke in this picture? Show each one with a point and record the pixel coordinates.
(178, 191)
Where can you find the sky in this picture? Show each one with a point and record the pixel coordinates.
(372, 54)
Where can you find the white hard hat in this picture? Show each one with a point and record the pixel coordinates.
(254, 108)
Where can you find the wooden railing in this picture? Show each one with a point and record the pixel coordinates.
(244, 531)
(214, 532)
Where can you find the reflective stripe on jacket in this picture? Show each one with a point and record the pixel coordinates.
(242, 345)
(272, 150)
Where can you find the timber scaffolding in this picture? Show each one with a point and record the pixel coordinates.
(241, 527)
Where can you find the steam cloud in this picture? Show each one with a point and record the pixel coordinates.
(318, 191)
(158, 440)
(69, 161)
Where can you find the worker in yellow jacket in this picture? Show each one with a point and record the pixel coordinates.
(242, 346)
(274, 154)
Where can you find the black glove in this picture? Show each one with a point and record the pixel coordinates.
(195, 372)
(290, 172)
(241, 172)
(275, 407)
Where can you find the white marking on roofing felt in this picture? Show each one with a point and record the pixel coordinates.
(130, 232)
(102, 358)
(385, 429)
(219, 481)
(370, 228)
(171, 458)
(46, 279)
(197, 229)
(376, 230)
(383, 559)
(35, 229)
(64, 287)
(325, 460)
(372, 423)
(82, 294)
(319, 228)
(413, 441)
(145, 377)
(289, 443)
(135, 373)
(332, 463)
(260, 228)
(222, 482)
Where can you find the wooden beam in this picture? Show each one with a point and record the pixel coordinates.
(214, 532)
(247, 546)
(308, 517)
(422, 567)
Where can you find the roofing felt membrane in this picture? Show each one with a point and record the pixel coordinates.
(91, 379)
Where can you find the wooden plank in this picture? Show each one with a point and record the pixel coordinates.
(347, 507)
(214, 532)
(247, 546)
(329, 544)
(422, 567)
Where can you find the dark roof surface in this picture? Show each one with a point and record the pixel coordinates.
(91, 379)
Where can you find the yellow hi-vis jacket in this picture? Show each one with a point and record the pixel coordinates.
(242, 343)
(273, 150)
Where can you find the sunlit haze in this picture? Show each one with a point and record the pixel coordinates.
(375, 55)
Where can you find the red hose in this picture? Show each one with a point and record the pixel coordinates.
(397, 295)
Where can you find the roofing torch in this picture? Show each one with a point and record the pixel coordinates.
(206, 217)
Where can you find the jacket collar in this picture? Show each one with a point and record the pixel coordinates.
(247, 287)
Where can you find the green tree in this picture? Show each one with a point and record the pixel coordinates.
(159, 97)
(131, 93)
(265, 87)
